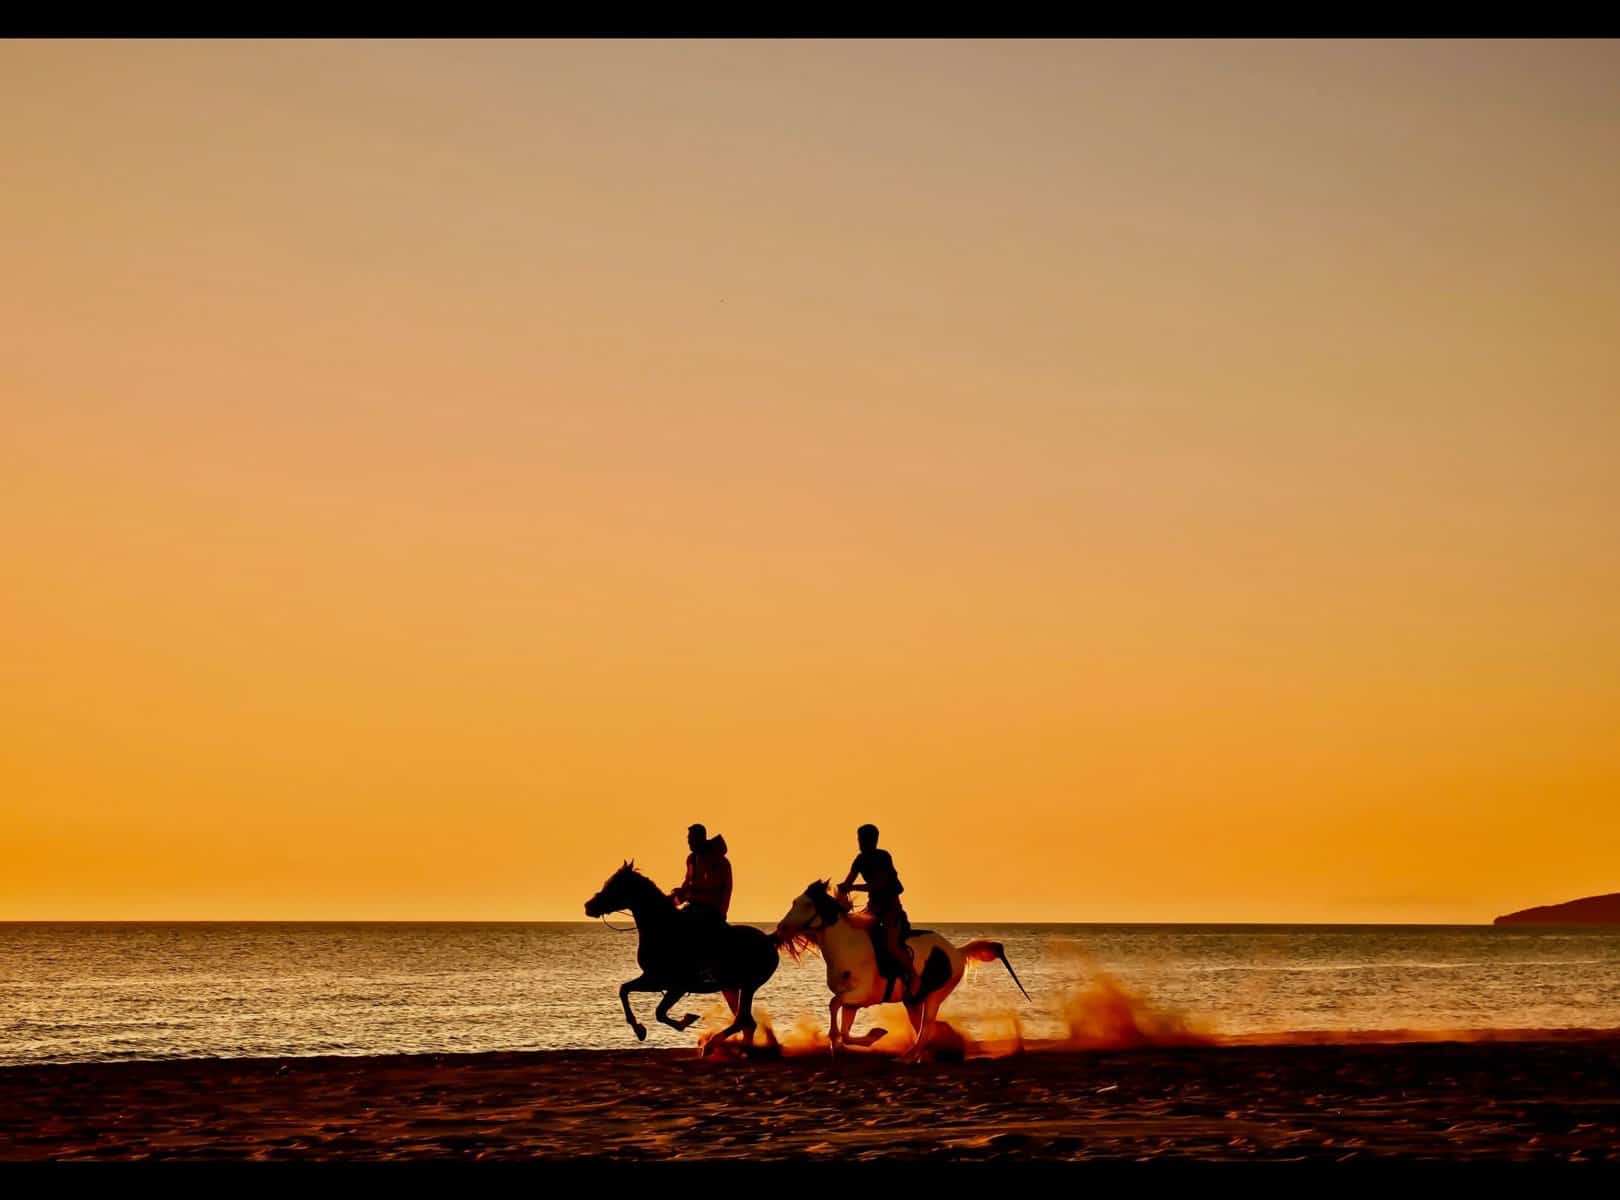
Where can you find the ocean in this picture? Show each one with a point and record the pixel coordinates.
(103, 992)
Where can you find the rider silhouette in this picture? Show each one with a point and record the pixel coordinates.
(706, 891)
(882, 888)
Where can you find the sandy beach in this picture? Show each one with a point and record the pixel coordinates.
(1528, 1101)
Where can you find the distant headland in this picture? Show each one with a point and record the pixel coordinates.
(1593, 910)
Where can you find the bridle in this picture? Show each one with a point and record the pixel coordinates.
(633, 927)
(825, 923)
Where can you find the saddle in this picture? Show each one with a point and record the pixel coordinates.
(703, 934)
(888, 967)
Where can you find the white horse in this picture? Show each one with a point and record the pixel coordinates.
(844, 939)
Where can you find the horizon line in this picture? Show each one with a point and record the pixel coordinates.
(578, 921)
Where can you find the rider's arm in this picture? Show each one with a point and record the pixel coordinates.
(679, 893)
(849, 884)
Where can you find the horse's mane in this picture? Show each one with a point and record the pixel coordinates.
(829, 907)
(633, 876)
(798, 946)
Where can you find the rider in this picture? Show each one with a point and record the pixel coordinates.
(706, 891)
(882, 888)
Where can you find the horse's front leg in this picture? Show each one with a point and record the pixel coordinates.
(639, 984)
(846, 1022)
(832, 1026)
(666, 1004)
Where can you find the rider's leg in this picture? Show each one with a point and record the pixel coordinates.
(898, 950)
(706, 927)
(714, 936)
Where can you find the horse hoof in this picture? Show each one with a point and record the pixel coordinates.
(686, 1021)
(641, 1032)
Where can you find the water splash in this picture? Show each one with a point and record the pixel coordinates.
(1384, 1037)
(1098, 1014)
(1106, 1015)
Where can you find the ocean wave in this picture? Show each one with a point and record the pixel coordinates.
(1484, 963)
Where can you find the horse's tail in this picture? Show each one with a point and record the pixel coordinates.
(981, 950)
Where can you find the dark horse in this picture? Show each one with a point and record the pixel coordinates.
(745, 957)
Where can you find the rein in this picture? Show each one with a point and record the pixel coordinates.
(634, 926)
(825, 923)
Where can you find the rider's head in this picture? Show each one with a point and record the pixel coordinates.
(696, 837)
(866, 835)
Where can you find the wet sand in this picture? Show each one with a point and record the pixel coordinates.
(1501, 1101)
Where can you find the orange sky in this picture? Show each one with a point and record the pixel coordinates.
(1152, 481)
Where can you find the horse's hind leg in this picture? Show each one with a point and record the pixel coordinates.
(743, 1020)
(745, 1016)
(730, 996)
(930, 1009)
(666, 1004)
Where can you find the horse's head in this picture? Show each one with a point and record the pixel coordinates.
(617, 893)
(814, 909)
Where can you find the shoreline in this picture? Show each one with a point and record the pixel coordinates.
(969, 1048)
(1502, 1100)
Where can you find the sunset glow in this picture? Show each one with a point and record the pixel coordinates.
(1150, 481)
